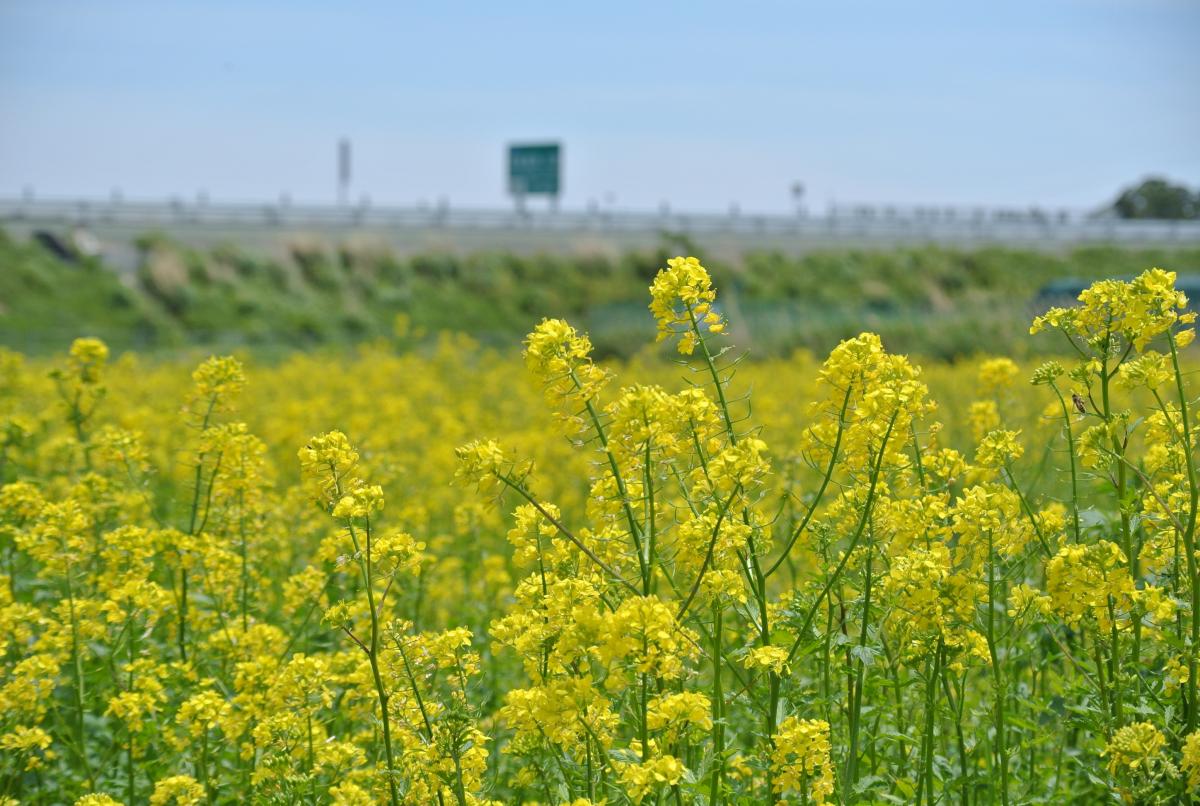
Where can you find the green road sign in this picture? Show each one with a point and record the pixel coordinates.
(534, 169)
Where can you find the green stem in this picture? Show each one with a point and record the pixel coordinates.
(565, 532)
(130, 786)
(1105, 697)
(833, 457)
(372, 650)
(717, 784)
(957, 710)
(634, 530)
(860, 676)
(716, 377)
(1189, 537)
(651, 537)
(997, 678)
(77, 664)
(196, 487)
(245, 564)
(925, 782)
(1066, 413)
(858, 532)
(1127, 543)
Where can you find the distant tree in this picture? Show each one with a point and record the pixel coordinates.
(1157, 198)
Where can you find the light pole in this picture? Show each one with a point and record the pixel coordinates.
(343, 171)
(798, 197)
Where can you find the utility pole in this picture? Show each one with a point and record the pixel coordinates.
(798, 197)
(343, 171)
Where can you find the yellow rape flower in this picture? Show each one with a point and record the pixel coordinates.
(1191, 760)
(675, 710)
(681, 299)
(996, 374)
(1080, 580)
(219, 377)
(773, 658)
(177, 790)
(800, 759)
(561, 358)
(643, 633)
(479, 462)
(31, 743)
(97, 799)
(1134, 747)
(641, 780)
(998, 448)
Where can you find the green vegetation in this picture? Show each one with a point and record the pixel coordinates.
(1158, 198)
(45, 300)
(931, 301)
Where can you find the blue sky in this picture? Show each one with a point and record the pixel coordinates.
(699, 105)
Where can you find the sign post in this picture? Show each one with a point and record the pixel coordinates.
(534, 169)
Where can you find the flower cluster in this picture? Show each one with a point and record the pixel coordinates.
(800, 759)
(681, 299)
(1137, 311)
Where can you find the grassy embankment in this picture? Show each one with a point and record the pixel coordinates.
(934, 302)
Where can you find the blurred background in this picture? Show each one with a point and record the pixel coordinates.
(300, 175)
